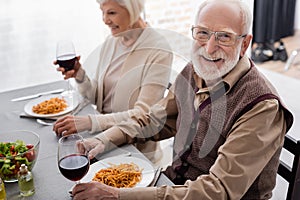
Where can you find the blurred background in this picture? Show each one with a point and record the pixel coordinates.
(29, 30)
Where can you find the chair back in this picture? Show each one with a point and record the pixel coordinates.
(291, 174)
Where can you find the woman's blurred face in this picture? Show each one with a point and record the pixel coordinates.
(116, 17)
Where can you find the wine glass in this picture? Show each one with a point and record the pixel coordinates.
(66, 57)
(72, 163)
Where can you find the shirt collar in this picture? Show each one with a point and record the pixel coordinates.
(229, 80)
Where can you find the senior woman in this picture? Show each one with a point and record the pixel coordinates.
(132, 73)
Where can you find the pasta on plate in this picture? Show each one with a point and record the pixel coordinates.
(51, 106)
(124, 175)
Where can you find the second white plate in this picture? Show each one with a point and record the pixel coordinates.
(72, 104)
(147, 173)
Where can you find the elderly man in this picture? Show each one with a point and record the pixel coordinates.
(228, 121)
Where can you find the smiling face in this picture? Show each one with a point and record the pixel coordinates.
(116, 17)
(212, 60)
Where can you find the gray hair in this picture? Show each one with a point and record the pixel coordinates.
(245, 13)
(134, 7)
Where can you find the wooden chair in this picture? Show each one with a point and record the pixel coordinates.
(291, 174)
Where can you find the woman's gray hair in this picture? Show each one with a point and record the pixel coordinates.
(246, 13)
(134, 7)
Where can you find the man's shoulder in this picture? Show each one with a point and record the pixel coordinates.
(254, 80)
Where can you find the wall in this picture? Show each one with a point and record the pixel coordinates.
(175, 17)
(178, 16)
(297, 16)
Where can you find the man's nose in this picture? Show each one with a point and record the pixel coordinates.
(212, 44)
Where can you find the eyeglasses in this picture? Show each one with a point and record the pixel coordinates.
(223, 38)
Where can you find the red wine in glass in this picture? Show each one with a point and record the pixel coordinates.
(67, 61)
(66, 58)
(74, 166)
(72, 162)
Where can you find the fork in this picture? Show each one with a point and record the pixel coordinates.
(156, 176)
(45, 122)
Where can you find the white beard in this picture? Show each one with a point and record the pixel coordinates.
(211, 72)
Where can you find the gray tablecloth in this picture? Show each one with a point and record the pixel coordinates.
(49, 183)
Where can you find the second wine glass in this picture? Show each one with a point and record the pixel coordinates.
(72, 163)
(66, 58)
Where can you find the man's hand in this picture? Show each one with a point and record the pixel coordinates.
(94, 191)
(93, 146)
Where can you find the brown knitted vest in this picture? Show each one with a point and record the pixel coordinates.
(200, 133)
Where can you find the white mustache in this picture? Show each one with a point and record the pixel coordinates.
(215, 56)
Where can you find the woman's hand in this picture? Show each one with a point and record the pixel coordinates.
(71, 73)
(94, 191)
(72, 124)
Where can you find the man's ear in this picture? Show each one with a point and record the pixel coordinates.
(245, 44)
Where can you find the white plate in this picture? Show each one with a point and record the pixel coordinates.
(72, 104)
(147, 173)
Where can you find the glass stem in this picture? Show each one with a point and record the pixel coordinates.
(69, 85)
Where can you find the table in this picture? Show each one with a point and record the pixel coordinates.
(49, 183)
